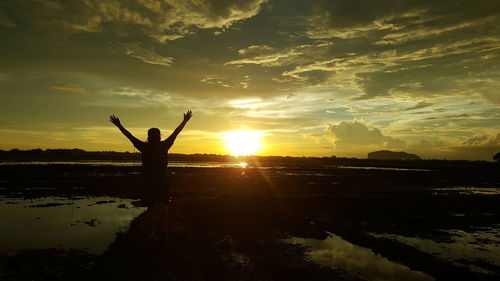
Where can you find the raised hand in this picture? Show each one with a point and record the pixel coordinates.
(115, 120)
(188, 115)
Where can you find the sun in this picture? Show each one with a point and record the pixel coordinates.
(243, 142)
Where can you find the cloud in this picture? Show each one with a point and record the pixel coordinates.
(137, 28)
(394, 19)
(256, 49)
(398, 38)
(148, 56)
(426, 33)
(408, 68)
(161, 20)
(303, 63)
(458, 116)
(325, 25)
(70, 89)
(406, 72)
(419, 49)
(132, 98)
(483, 140)
(271, 57)
(223, 81)
(420, 105)
(171, 19)
(5, 20)
(477, 147)
(348, 134)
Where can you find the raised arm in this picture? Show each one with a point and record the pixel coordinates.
(179, 128)
(135, 141)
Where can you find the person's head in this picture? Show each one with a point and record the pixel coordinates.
(154, 135)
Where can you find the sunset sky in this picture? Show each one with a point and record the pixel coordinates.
(314, 78)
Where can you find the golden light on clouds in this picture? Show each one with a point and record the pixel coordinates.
(346, 79)
(243, 142)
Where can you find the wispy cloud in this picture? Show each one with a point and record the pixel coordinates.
(148, 56)
(420, 105)
(70, 89)
(223, 81)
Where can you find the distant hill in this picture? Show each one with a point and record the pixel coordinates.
(392, 155)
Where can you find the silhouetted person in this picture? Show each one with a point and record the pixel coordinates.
(154, 159)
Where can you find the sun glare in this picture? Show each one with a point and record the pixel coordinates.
(243, 142)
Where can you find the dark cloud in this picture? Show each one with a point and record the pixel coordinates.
(428, 48)
(161, 20)
(365, 16)
(420, 105)
(458, 116)
(125, 42)
(404, 49)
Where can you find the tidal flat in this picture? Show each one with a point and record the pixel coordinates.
(249, 222)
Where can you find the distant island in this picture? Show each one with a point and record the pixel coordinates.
(392, 155)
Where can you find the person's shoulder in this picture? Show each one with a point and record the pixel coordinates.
(140, 145)
(167, 142)
(170, 139)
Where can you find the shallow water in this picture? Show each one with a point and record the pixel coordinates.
(467, 190)
(53, 222)
(128, 163)
(478, 250)
(207, 164)
(383, 168)
(338, 253)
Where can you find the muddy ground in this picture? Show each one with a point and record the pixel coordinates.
(230, 223)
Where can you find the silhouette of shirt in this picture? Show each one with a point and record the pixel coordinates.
(154, 168)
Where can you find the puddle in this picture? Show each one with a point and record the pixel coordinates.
(305, 173)
(383, 168)
(55, 222)
(467, 190)
(338, 253)
(478, 250)
(200, 164)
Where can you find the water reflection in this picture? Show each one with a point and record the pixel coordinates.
(86, 223)
(467, 190)
(336, 252)
(205, 164)
(383, 168)
(478, 250)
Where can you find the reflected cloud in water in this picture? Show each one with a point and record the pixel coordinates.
(338, 253)
(478, 250)
(89, 224)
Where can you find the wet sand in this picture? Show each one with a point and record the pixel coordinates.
(286, 223)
